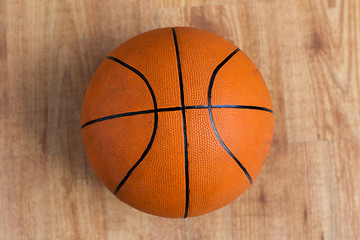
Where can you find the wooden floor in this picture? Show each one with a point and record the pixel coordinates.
(308, 53)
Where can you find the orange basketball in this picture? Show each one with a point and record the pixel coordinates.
(177, 122)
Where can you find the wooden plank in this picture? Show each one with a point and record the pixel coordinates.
(52, 198)
(53, 50)
(325, 189)
(4, 83)
(154, 4)
(320, 68)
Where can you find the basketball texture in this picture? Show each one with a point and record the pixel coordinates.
(177, 122)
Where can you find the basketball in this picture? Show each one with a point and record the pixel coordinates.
(177, 122)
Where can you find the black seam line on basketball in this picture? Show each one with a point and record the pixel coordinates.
(211, 116)
(131, 114)
(116, 116)
(243, 107)
(184, 122)
(137, 72)
(170, 109)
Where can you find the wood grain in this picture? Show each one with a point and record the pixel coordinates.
(308, 53)
(153, 4)
(325, 59)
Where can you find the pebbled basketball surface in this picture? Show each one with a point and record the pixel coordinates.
(177, 122)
